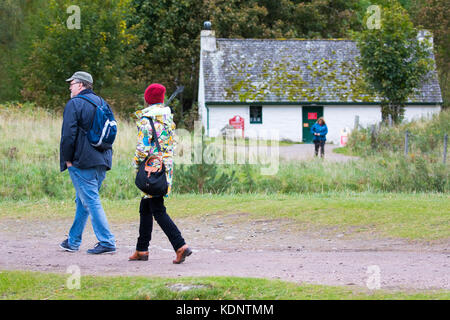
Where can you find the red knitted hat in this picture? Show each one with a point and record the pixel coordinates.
(154, 93)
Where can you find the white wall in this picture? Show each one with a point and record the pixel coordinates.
(220, 115)
(417, 112)
(341, 116)
(201, 96)
(285, 120)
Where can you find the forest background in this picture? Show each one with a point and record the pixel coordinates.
(128, 44)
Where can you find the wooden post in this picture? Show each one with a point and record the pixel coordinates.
(406, 142)
(372, 136)
(445, 147)
(390, 120)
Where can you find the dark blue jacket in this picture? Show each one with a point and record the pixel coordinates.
(323, 130)
(74, 146)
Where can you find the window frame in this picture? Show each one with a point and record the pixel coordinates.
(251, 119)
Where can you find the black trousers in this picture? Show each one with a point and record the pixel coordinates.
(319, 144)
(154, 207)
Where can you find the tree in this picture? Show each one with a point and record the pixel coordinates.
(169, 30)
(394, 61)
(434, 15)
(58, 50)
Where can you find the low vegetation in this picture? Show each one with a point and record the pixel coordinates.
(422, 217)
(30, 149)
(19, 285)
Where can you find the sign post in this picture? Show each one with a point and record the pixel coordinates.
(237, 122)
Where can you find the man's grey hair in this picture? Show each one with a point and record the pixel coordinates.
(86, 85)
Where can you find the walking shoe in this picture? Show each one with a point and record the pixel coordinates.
(139, 255)
(67, 247)
(99, 249)
(182, 253)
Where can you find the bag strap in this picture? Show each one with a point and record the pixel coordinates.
(88, 99)
(154, 136)
(92, 102)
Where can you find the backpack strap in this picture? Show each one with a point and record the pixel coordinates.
(88, 99)
(92, 102)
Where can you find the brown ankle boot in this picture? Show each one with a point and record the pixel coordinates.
(139, 255)
(182, 253)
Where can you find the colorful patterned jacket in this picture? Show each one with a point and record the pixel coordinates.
(164, 126)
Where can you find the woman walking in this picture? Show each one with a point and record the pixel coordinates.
(153, 207)
(319, 130)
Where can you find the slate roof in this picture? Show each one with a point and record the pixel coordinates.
(253, 70)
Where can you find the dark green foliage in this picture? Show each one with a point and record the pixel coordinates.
(57, 51)
(395, 63)
(434, 15)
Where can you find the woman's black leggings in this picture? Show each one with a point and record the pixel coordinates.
(154, 207)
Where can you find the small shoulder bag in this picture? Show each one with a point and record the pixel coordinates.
(150, 179)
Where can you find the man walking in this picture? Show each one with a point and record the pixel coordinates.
(87, 166)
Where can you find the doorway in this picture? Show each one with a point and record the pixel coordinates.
(310, 116)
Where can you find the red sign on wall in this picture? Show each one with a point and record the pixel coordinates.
(312, 115)
(238, 123)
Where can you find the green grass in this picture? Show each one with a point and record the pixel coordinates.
(346, 151)
(32, 285)
(30, 150)
(410, 216)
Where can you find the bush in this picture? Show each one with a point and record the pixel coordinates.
(426, 138)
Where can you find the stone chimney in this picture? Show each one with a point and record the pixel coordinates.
(208, 38)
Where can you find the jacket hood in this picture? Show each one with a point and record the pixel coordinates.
(152, 111)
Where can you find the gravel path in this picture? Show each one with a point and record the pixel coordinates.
(233, 245)
(306, 152)
(298, 152)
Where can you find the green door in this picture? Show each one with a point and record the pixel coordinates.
(310, 116)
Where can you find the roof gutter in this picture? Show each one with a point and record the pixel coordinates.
(234, 103)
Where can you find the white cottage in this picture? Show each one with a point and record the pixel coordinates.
(285, 85)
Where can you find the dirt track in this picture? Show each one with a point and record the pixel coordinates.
(232, 245)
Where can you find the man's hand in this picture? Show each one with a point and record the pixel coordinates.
(69, 164)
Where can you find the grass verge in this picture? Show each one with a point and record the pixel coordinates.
(410, 216)
(37, 286)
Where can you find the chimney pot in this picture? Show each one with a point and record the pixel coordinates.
(207, 25)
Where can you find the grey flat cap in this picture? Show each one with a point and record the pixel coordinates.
(81, 75)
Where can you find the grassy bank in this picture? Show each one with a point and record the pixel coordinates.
(29, 163)
(410, 216)
(37, 286)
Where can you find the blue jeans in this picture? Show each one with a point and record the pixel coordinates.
(87, 183)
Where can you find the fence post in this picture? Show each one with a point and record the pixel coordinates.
(390, 120)
(406, 142)
(372, 136)
(356, 122)
(445, 147)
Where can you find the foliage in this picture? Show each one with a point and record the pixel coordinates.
(426, 139)
(57, 51)
(204, 177)
(284, 18)
(168, 31)
(434, 16)
(393, 60)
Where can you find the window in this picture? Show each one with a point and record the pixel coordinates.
(255, 114)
